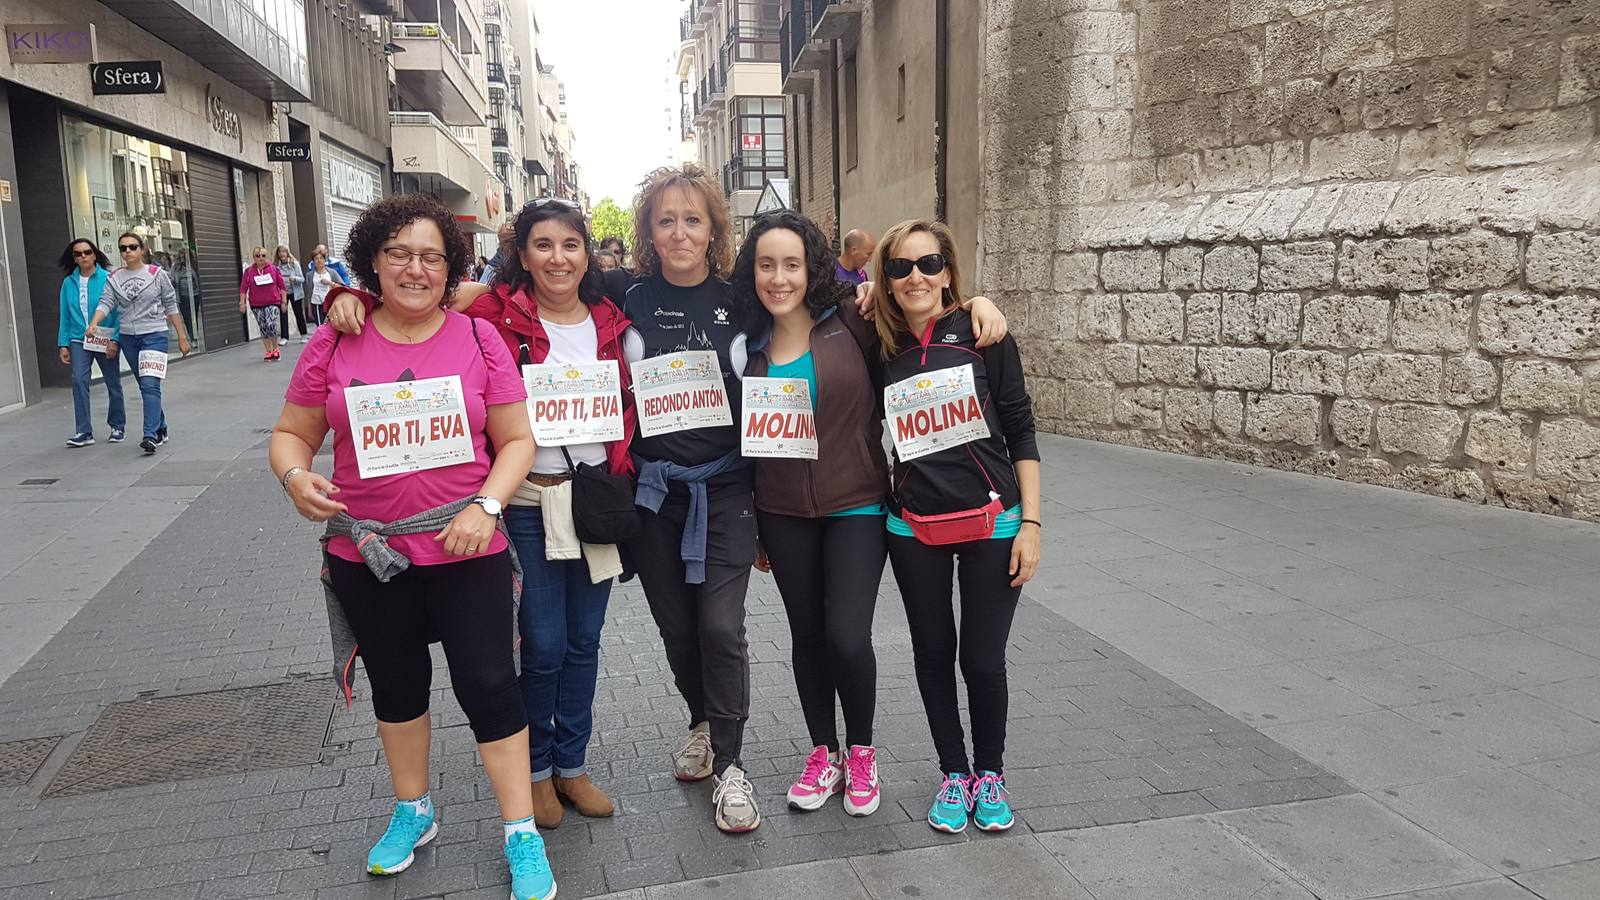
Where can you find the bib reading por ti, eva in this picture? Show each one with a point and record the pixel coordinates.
(934, 411)
(408, 426)
(680, 391)
(570, 403)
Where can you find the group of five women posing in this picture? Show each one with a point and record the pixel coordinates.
(822, 526)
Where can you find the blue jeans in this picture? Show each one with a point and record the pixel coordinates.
(155, 421)
(560, 619)
(82, 370)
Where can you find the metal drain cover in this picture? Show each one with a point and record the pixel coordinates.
(199, 735)
(20, 759)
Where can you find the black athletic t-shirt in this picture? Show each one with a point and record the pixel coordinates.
(670, 319)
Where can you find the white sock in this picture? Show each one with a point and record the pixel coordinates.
(519, 826)
(422, 806)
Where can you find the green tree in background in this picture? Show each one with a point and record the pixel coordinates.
(610, 220)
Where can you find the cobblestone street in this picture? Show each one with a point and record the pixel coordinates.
(1225, 682)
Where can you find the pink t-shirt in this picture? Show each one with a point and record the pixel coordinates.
(268, 294)
(488, 377)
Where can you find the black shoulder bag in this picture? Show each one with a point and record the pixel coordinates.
(602, 504)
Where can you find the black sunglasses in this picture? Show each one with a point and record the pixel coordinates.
(126, 247)
(900, 267)
(83, 253)
(557, 201)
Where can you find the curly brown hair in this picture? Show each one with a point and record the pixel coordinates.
(691, 178)
(383, 219)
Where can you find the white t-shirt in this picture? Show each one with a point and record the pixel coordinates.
(83, 296)
(578, 343)
(323, 283)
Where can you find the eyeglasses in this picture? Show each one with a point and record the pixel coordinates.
(83, 253)
(126, 248)
(900, 267)
(400, 256)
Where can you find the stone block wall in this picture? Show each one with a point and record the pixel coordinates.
(1354, 239)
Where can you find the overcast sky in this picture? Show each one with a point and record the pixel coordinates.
(617, 58)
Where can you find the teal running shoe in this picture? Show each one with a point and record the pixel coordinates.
(991, 808)
(393, 853)
(530, 871)
(949, 812)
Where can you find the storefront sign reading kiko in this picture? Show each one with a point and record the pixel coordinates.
(50, 43)
(128, 77)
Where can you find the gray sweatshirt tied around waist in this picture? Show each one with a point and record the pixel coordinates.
(144, 297)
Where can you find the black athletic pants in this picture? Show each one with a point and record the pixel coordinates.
(702, 625)
(467, 605)
(988, 604)
(297, 305)
(828, 570)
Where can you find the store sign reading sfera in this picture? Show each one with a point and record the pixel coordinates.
(128, 77)
(224, 120)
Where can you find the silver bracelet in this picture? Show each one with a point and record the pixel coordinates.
(293, 471)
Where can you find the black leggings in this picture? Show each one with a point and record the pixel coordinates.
(988, 604)
(467, 606)
(828, 571)
(297, 306)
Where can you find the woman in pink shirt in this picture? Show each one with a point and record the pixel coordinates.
(415, 550)
(261, 289)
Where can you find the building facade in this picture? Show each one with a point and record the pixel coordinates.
(346, 125)
(185, 167)
(1357, 240)
(882, 114)
(729, 67)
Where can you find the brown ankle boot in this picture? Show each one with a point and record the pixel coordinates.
(590, 800)
(547, 810)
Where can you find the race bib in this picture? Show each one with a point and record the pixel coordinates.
(934, 411)
(263, 280)
(152, 363)
(408, 426)
(680, 391)
(574, 404)
(100, 341)
(779, 420)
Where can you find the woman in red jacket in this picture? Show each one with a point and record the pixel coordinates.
(547, 303)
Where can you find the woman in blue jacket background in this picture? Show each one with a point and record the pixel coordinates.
(86, 268)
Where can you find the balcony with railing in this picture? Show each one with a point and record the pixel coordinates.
(499, 138)
(686, 27)
(806, 28)
(431, 73)
(496, 73)
(425, 146)
(704, 10)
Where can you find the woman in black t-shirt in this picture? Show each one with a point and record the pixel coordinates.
(699, 535)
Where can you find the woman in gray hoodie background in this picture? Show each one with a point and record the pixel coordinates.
(146, 302)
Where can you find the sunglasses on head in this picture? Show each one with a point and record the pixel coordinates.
(555, 201)
(900, 267)
(126, 247)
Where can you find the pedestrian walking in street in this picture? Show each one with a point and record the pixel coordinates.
(86, 269)
(617, 249)
(261, 291)
(506, 235)
(606, 260)
(699, 534)
(965, 507)
(295, 297)
(851, 267)
(414, 548)
(146, 303)
(822, 519)
(334, 263)
(323, 279)
(619, 277)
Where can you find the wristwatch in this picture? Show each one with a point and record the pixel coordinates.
(490, 505)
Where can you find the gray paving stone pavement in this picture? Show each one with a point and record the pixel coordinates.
(1224, 680)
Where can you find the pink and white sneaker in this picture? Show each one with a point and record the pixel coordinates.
(823, 777)
(861, 781)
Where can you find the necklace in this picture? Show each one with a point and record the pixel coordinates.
(410, 338)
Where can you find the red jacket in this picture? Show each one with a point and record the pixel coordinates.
(515, 316)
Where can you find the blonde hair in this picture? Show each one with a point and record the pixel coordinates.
(891, 319)
(283, 249)
(691, 178)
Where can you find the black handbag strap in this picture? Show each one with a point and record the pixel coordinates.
(571, 469)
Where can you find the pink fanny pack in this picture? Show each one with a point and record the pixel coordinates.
(956, 527)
